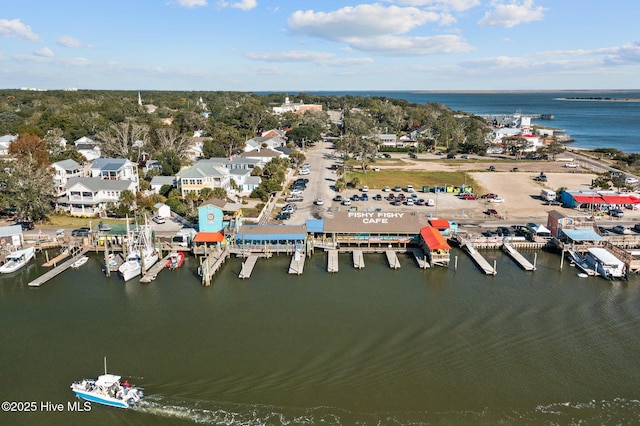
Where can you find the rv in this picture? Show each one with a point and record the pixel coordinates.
(548, 195)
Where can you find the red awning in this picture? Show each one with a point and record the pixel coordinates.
(434, 239)
(439, 223)
(589, 199)
(208, 237)
(620, 199)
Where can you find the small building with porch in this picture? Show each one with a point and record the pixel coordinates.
(437, 249)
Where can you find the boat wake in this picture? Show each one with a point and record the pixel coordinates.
(618, 411)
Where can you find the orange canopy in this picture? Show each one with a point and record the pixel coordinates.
(434, 239)
(208, 237)
(439, 223)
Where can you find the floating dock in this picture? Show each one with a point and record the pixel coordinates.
(297, 263)
(358, 259)
(332, 262)
(420, 258)
(392, 258)
(153, 272)
(479, 260)
(56, 271)
(247, 266)
(518, 258)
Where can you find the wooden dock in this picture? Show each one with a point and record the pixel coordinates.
(358, 259)
(56, 271)
(420, 258)
(247, 266)
(392, 258)
(518, 258)
(332, 262)
(479, 260)
(297, 263)
(212, 262)
(153, 272)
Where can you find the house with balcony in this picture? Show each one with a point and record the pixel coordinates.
(63, 171)
(260, 142)
(203, 174)
(115, 169)
(89, 148)
(89, 196)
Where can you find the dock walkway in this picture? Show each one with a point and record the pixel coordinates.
(518, 258)
(479, 260)
(247, 266)
(358, 259)
(392, 258)
(420, 258)
(153, 272)
(332, 262)
(297, 263)
(56, 271)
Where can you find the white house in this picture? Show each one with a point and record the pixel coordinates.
(162, 210)
(259, 142)
(89, 196)
(89, 148)
(115, 169)
(388, 140)
(157, 182)
(63, 171)
(203, 174)
(5, 141)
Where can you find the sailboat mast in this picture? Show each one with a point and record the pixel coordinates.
(105, 365)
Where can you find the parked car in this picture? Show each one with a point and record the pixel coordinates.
(409, 202)
(364, 197)
(451, 156)
(492, 168)
(616, 213)
(469, 196)
(319, 202)
(503, 231)
(387, 189)
(355, 197)
(410, 188)
(397, 188)
(26, 225)
(337, 198)
(491, 212)
(496, 200)
(571, 165)
(346, 202)
(604, 231)
(80, 232)
(413, 155)
(283, 216)
(489, 196)
(619, 229)
(377, 197)
(636, 227)
(365, 188)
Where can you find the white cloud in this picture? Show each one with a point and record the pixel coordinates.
(449, 5)
(45, 52)
(15, 28)
(305, 56)
(365, 20)
(511, 14)
(411, 46)
(240, 4)
(192, 3)
(68, 41)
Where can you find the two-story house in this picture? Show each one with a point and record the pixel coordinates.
(115, 169)
(203, 174)
(89, 196)
(89, 148)
(63, 171)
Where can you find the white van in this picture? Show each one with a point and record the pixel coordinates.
(548, 195)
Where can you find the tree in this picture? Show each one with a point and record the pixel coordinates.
(30, 147)
(169, 140)
(119, 140)
(29, 188)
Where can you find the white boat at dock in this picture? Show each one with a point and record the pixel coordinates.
(108, 390)
(579, 261)
(605, 263)
(17, 260)
(140, 253)
(81, 261)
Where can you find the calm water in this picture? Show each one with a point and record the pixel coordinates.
(591, 124)
(373, 346)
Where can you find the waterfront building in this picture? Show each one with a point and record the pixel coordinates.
(203, 174)
(592, 200)
(216, 215)
(62, 172)
(89, 196)
(437, 249)
(116, 169)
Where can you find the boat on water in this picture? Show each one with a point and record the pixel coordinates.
(605, 264)
(108, 390)
(175, 260)
(79, 262)
(17, 259)
(140, 253)
(580, 262)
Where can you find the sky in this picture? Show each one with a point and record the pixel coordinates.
(320, 45)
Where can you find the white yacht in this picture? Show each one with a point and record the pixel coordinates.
(18, 259)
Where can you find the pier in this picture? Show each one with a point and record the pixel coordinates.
(332, 262)
(297, 263)
(392, 258)
(56, 271)
(358, 259)
(212, 262)
(153, 272)
(479, 260)
(421, 259)
(518, 257)
(247, 266)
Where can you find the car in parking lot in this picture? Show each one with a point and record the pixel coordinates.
(409, 202)
(365, 188)
(364, 197)
(496, 200)
(319, 202)
(469, 196)
(489, 195)
(156, 219)
(80, 232)
(355, 197)
(377, 197)
(26, 225)
(346, 202)
(503, 231)
(616, 213)
(571, 165)
(636, 227)
(337, 198)
(619, 229)
(604, 231)
(283, 216)
(397, 188)
(491, 212)
(387, 189)
(410, 188)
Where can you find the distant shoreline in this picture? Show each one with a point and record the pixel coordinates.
(600, 99)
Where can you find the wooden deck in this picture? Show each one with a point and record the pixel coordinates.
(421, 259)
(153, 272)
(392, 258)
(479, 260)
(56, 271)
(247, 267)
(332, 261)
(297, 263)
(358, 259)
(518, 257)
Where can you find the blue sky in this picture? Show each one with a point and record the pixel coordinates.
(305, 45)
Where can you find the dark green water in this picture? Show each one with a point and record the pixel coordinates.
(372, 346)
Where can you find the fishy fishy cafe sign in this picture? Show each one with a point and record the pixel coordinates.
(375, 217)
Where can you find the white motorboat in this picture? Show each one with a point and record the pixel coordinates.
(605, 263)
(18, 259)
(79, 262)
(140, 253)
(108, 390)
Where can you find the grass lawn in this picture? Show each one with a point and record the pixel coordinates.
(61, 221)
(378, 180)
